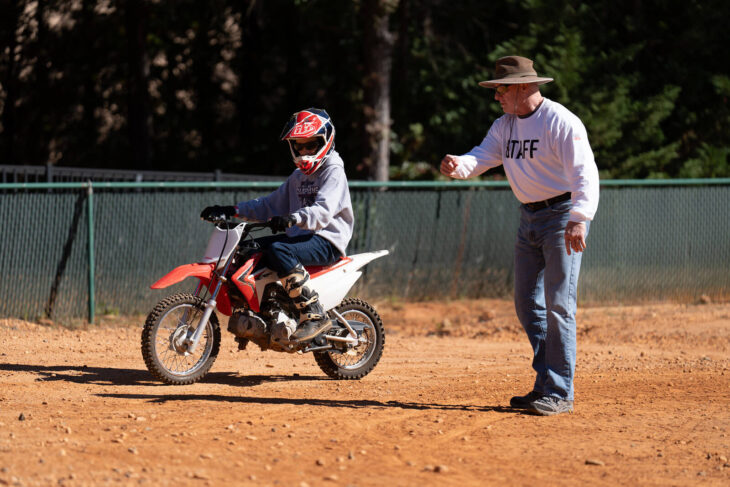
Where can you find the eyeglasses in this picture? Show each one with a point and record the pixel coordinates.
(501, 89)
(306, 146)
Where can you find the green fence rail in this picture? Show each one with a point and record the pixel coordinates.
(76, 250)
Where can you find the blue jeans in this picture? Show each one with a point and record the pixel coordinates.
(282, 253)
(546, 282)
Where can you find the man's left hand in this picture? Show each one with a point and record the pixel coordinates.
(575, 237)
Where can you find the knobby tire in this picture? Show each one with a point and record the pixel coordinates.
(152, 324)
(332, 369)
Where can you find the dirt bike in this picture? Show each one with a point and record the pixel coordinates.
(182, 337)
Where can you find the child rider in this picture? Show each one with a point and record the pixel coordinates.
(312, 206)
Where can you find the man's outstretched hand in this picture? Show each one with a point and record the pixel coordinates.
(449, 164)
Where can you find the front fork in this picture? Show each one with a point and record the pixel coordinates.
(192, 340)
(196, 293)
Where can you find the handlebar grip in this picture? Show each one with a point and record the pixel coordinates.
(259, 225)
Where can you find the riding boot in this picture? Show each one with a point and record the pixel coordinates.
(312, 316)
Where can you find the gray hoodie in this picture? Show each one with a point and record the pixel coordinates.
(320, 203)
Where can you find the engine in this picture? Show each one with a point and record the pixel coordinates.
(270, 329)
(247, 324)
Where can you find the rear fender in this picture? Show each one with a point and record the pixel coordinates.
(332, 283)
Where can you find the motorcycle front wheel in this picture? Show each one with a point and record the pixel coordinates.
(358, 361)
(168, 325)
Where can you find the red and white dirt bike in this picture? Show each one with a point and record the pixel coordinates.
(181, 336)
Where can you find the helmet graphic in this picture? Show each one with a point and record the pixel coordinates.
(308, 124)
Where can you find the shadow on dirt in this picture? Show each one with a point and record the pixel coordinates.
(82, 374)
(334, 403)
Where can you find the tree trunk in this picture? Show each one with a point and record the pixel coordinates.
(378, 42)
(88, 94)
(139, 120)
(204, 58)
(8, 27)
(38, 152)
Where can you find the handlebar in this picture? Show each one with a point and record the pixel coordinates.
(228, 223)
(254, 226)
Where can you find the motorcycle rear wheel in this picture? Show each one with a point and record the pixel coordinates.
(167, 325)
(362, 359)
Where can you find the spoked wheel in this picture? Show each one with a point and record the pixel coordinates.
(358, 361)
(170, 323)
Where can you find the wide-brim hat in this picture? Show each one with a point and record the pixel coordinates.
(513, 70)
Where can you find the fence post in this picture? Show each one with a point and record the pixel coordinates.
(90, 211)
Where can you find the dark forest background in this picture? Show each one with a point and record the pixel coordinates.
(203, 85)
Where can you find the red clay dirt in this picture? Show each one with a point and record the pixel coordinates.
(78, 407)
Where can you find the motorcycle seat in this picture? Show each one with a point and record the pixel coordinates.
(318, 270)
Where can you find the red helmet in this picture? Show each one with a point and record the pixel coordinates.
(307, 124)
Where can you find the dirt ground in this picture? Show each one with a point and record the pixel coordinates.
(77, 406)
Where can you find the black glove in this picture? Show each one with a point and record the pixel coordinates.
(281, 223)
(214, 213)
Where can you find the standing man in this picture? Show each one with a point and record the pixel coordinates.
(550, 166)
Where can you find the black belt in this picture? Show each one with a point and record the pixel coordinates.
(539, 205)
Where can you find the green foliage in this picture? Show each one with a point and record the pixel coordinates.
(413, 171)
(712, 162)
(211, 83)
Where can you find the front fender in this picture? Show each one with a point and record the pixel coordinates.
(201, 271)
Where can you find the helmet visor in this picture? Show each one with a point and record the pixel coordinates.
(306, 147)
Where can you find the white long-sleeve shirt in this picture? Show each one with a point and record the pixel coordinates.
(320, 203)
(544, 155)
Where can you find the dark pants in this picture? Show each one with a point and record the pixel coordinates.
(282, 253)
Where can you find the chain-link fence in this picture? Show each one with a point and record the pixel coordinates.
(447, 240)
(61, 174)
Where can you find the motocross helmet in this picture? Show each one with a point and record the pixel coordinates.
(306, 124)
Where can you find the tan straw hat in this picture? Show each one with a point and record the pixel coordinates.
(512, 70)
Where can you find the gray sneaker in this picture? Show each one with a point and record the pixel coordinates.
(523, 402)
(549, 405)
